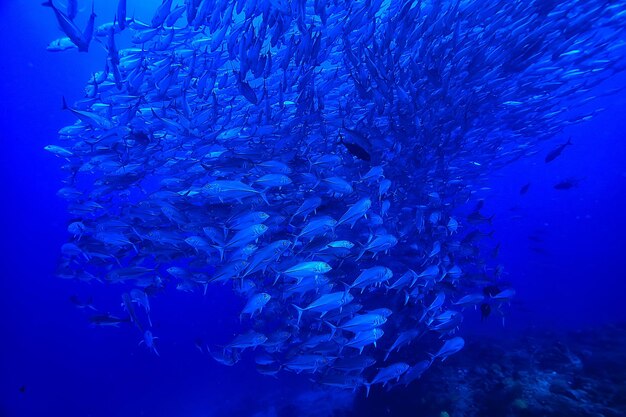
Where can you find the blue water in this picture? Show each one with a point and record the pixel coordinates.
(574, 278)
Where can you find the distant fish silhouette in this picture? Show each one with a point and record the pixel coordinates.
(553, 154)
(524, 189)
(567, 184)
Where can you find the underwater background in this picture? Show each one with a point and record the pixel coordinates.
(558, 349)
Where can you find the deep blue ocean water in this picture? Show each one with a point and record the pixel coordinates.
(53, 363)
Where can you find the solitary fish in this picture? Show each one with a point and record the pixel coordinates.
(553, 154)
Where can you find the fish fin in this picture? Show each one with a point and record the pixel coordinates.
(276, 279)
(300, 310)
(346, 287)
(333, 328)
(367, 388)
(221, 251)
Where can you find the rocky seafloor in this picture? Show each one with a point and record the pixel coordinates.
(540, 373)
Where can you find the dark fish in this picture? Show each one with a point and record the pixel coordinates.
(524, 189)
(496, 251)
(82, 304)
(491, 290)
(476, 217)
(107, 320)
(567, 184)
(553, 154)
(485, 311)
(121, 14)
(247, 91)
(356, 150)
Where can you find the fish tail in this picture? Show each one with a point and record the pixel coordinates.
(300, 310)
(264, 197)
(221, 251)
(333, 328)
(48, 4)
(367, 389)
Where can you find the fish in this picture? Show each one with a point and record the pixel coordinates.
(387, 374)
(380, 243)
(307, 269)
(298, 157)
(107, 320)
(307, 363)
(140, 297)
(78, 38)
(250, 339)
(71, 9)
(415, 371)
(372, 276)
(403, 339)
(255, 304)
(61, 44)
(360, 323)
(82, 304)
(130, 309)
(356, 150)
(227, 356)
(355, 212)
(148, 340)
(524, 189)
(450, 347)
(469, 300)
(365, 338)
(556, 152)
(325, 303)
(121, 14)
(567, 184)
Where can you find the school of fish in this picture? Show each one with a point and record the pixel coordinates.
(318, 157)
